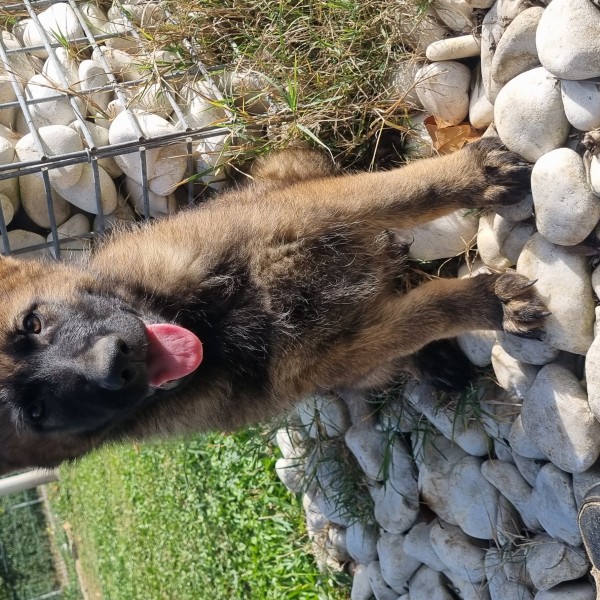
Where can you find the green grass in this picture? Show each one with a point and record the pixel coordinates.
(202, 519)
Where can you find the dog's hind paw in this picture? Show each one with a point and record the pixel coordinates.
(524, 312)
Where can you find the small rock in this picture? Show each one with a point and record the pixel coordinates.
(83, 193)
(55, 109)
(99, 137)
(528, 467)
(582, 590)
(444, 237)
(481, 110)
(510, 483)
(560, 277)
(517, 212)
(9, 187)
(166, 166)
(59, 21)
(557, 416)
(592, 375)
(582, 482)
(477, 346)
(55, 139)
(361, 586)
(397, 567)
(566, 209)
(381, 590)
(581, 100)
(292, 473)
(556, 509)
(291, 441)
(466, 590)
(529, 114)
(361, 542)
(524, 350)
(430, 584)
(473, 499)
(511, 590)
(91, 76)
(20, 238)
(394, 511)
(435, 457)
(509, 524)
(454, 48)
(370, 448)
(324, 416)
(516, 51)
(35, 203)
(158, 206)
(521, 443)
(457, 15)
(470, 436)
(488, 245)
(511, 237)
(335, 544)
(493, 26)
(461, 554)
(417, 543)
(550, 562)
(494, 572)
(74, 250)
(400, 82)
(567, 39)
(513, 376)
(316, 522)
(443, 89)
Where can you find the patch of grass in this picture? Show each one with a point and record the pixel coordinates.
(326, 64)
(202, 519)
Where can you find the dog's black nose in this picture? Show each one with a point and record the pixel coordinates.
(113, 367)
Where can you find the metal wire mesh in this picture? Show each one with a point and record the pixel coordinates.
(27, 568)
(184, 135)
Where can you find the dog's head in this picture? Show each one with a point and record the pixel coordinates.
(76, 359)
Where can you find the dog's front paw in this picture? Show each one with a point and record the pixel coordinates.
(506, 174)
(523, 311)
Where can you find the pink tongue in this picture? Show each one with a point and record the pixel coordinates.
(173, 352)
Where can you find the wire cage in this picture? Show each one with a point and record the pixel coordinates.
(29, 44)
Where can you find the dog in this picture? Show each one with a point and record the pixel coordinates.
(227, 313)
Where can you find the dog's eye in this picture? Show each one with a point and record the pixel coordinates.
(35, 410)
(32, 323)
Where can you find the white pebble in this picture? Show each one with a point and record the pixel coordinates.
(555, 503)
(461, 554)
(473, 499)
(581, 100)
(454, 48)
(567, 563)
(566, 208)
(513, 376)
(397, 567)
(557, 416)
(529, 114)
(83, 193)
(443, 89)
(567, 39)
(516, 51)
(561, 276)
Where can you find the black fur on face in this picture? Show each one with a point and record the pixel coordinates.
(79, 365)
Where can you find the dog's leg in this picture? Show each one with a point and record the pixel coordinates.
(481, 174)
(402, 325)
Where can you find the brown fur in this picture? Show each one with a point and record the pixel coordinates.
(292, 285)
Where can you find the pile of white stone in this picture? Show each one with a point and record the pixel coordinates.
(90, 81)
(487, 507)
